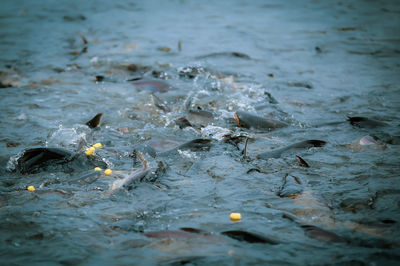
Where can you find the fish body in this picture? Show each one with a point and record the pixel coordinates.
(277, 153)
(248, 120)
(33, 159)
(364, 122)
(152, 85)
(130, 180)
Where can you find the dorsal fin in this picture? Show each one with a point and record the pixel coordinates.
(95, 121)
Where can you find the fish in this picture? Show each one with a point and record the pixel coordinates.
(302, 162)
(87, 178)
(322, 234)
(249, 237)
(225, 54)
(193, 230)
(171, 234)
(160, 103)
(248, 120)
(33, 159)
(95, 121)
(292, 186)
(153, 85)
(368, 140)
(144, 148)
(364, 122)
(277, 153)
(182, 122)
(200, 117)
(193, 145)
(140, 175)
(131, 179)
(315, 231)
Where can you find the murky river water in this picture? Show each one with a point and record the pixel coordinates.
(307, 64)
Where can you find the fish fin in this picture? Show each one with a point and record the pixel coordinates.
(95, 121)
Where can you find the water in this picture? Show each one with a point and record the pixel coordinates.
(320, 61)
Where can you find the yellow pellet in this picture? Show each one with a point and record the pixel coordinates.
(90, 151)
(108, 172)
(98, 145)
(98, 169)
(31, 188)
(235, 216)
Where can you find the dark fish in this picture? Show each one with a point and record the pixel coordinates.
(247, 120)
(316, 232)
(182, 122)
(249, 237)
(226, 54)
(321, 234)
(364, 122)
(33, 159)
(171, 234)
(395, 140)
(95, 121)
(271, 99)
(153, 85)
(74, 17)
(99, 78)
(301, 85)
(302, 162)
(160, 103)
(189, 260)
(300, 145)
(193, 230)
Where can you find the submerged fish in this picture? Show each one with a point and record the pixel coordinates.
(182, 122)
(193, 145)
(364, 122)
(160, 104)
(291, 187)
(248, 120)
(300, 145)
(226, 54)
(189, 233)
(322, 234)
(172, 234)
(153, 85)
(33, 159)
(200, 117)
(249, 237)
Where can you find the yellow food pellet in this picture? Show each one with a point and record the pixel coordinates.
(31, 188)
(98, 145)
(97, 169)
(235, 216)
(90, 151)
(108, 172)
